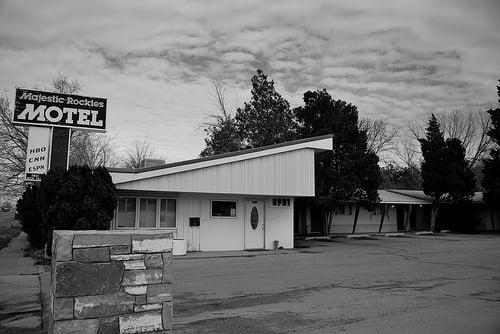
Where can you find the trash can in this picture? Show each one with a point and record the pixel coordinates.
(179, 247)
(276, 244)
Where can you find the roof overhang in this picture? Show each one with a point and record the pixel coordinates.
(322, 143)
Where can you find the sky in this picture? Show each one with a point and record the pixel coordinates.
(154, 60)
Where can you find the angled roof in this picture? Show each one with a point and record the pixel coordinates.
(121, 175)
(416, 194)
(396, 197)
(477, 197)
(419, 195)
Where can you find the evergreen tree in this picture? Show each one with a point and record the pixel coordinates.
(445, 171)
(31, 218)
(267, 118)
(350, 171)
(78, 199)
(222, 135)
(399, 177)
(491, 169)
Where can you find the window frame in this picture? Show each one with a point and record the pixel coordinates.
(158, 212)
(137, 214)
(223, 217)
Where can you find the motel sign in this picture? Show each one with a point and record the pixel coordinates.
(51, 117)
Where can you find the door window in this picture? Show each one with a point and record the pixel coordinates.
(254, 218)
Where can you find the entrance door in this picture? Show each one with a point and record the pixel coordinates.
(254, 225)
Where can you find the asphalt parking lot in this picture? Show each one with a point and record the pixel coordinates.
(420, 284)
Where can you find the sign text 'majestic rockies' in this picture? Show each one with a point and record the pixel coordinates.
(59, 110)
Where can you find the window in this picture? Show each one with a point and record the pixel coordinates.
(167, 212)
(146, 212)
(343, 209)
(340, 209)
(223, 208)
(126, 212)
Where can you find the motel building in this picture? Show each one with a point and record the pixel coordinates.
(235, 201)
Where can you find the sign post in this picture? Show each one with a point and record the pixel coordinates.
(51, 118)
(37, 152)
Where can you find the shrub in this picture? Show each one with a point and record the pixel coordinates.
(31, 218)
(77, 199)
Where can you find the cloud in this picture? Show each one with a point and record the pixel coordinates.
(153, 60)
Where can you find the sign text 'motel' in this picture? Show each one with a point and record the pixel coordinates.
(59, 110)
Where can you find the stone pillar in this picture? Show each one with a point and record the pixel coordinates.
(111, 282)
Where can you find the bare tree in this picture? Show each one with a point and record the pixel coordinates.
(63, 85)
(93, 150)
(470, 127)
(138, 152)
(14, 139)
(220, 128)
(408, 153)
(219, 94)
(380, 136)
(13, 143)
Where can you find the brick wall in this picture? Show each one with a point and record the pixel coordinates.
(111, 282)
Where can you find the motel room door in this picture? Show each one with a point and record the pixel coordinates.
(254, 225)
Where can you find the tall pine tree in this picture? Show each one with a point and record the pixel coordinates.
(445, 172)
(222, 135)
(267, 118)
(350, 171)
(491, 169)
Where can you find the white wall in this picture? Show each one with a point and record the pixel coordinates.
(220, 234)
(213, 233)
(279, 225)
(188, 207)
(367, 222)
(284, 174)
(227, 233)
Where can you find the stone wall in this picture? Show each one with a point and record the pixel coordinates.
(111, 282)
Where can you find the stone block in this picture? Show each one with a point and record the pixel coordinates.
(141, 322)
(140, 299)
(167, 259)
(159, 293)
(147, 307)
(167, 315)
(121, 249)
(63, 308)
(109, 325)
(152, 243)
(127, 257)
(134, 264)
(100, 240)
(82, 279)
(142, 277)
(62, 246)
(103, 305)
(87, 326)
(167, 276)
(96, 254)
(153, 261)
(135, 289)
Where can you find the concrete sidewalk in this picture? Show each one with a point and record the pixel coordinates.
(221, 254)
(20, 304)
